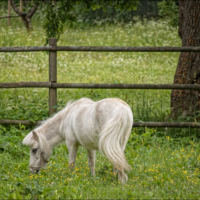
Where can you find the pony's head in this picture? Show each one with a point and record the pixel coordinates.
(40, 150)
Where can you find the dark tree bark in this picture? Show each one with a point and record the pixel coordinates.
(26, 17)
(187, 102)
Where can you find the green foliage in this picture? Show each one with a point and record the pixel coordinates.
(23, 107)
(145, 9)
(56, 16)
(63, 12)
(168, 9)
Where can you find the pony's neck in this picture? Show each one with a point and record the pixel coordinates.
(50, 130)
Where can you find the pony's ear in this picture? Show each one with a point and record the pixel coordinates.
(35, 136)
(27, 140)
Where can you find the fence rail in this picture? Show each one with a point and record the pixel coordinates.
(3, 17)
(100, 86)
(135, 124)
(100, 49)
(53, 85)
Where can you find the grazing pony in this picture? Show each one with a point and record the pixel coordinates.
(104, 126)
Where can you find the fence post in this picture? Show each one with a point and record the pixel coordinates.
(52, 76)
(21, 8)
(9, 5)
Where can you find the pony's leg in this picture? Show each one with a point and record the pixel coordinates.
(122, 177)
(72, 155)
(91, 161)
(114, 171)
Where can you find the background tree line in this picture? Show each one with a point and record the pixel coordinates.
(145, 9)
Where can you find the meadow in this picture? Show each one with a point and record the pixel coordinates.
(165, 162)
(91, 67)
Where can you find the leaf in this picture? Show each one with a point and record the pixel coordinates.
(47, 190)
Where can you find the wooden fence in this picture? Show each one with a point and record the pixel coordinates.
(53, 85)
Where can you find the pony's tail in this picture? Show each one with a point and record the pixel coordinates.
(114, 136)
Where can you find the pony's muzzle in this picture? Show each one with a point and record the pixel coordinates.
(35, 170)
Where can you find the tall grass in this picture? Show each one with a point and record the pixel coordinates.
(94, 67)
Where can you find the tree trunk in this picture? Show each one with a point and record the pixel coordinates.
(187, 102)
(27, 23)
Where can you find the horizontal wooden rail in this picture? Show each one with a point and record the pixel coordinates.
(25, 84)
(17, 122)
(167, 124)
(9, 16)
(135, 124)
(128, 49)
(126, 86)
(100, 85)
(100, 49)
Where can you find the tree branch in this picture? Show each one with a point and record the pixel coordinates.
(32, 11)
(16, 10)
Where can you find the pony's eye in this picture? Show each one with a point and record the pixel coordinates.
(34, 150)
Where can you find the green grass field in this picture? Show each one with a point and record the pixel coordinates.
(165, 162)
(91, 67)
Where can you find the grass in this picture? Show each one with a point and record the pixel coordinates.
(165, 162)
(87, 67)
(162, 167)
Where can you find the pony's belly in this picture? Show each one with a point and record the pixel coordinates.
(87, 136)
(90, 147)
(88, 143)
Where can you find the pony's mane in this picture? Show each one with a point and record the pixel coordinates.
(69, 103)
(44, 145)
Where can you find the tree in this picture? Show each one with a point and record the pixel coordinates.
(185, 15)
(168, 9)
(187, 102)
(26, 17)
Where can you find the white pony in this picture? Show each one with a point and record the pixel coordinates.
(104, 126)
